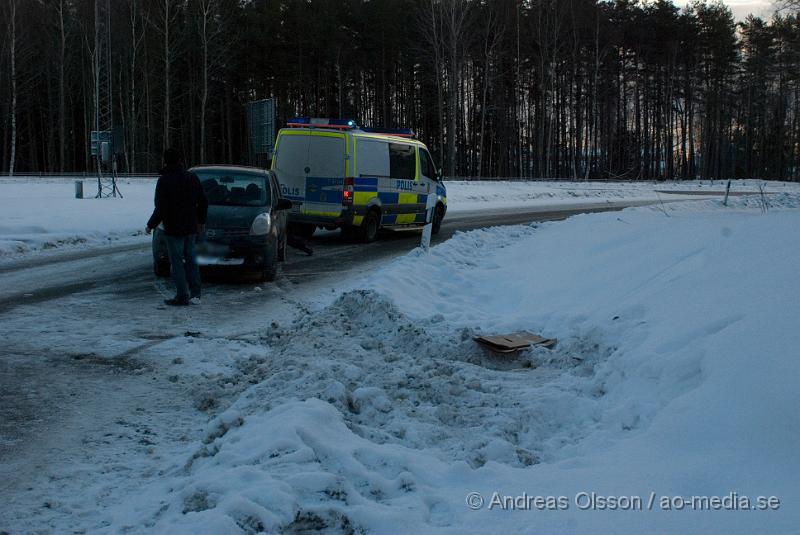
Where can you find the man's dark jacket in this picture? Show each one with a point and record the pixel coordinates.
(180, 202)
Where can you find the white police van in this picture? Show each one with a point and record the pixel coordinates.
(338, 175)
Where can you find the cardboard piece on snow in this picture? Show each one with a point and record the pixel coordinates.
(511, 343)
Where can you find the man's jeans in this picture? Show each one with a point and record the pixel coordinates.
(185, 272)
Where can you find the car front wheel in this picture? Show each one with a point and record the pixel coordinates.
(270, 270)
(282, 249)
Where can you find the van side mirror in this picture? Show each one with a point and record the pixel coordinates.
(284, 204)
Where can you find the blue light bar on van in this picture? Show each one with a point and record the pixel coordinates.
(399, 132)
(338, 124)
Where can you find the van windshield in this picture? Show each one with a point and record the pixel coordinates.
(234, 189)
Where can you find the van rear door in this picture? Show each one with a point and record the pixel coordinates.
(310, 166)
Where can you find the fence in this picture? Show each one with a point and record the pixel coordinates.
(88, 175)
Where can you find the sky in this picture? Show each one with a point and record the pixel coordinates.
(742, 8)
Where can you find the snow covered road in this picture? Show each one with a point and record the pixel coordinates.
(39, 278)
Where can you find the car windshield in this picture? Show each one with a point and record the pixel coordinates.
(230, 188)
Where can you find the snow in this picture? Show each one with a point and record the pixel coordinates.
(69, 223)
(475, 195)
(44, 215)
(372, 409)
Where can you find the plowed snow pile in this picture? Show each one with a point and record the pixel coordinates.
(675, 374)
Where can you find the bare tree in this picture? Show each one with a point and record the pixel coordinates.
(432, 30)
(455, 18)
(165, 17)
(59, 8)
(207, 9)
(13, 64)
(582, 88)
(491, 41)
(137, 37)
(210, 25)
(792, 6)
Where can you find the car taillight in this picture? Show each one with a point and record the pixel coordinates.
(347, 193)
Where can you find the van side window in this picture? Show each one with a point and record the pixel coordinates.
(372, 157)
(402, 161)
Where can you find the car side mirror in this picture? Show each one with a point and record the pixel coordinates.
(284, 204)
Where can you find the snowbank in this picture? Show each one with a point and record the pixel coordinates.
(675, 375)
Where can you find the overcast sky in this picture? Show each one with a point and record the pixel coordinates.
(742, 8)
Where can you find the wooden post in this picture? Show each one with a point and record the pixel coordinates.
(727, 191)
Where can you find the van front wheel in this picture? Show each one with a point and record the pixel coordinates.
(369, 227)
(438, 215)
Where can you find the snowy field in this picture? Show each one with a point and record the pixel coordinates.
(41, 214)
(475, 195)
(371, 410)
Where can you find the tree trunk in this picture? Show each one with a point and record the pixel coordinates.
(167, 64)
(205, 7)
(13, 37)
(61, 92)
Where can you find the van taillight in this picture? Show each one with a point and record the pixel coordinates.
(347, 192)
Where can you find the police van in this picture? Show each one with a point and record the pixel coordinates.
(338, 175)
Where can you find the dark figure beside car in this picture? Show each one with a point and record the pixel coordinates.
(180, 208)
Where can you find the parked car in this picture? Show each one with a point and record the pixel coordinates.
(246, 227)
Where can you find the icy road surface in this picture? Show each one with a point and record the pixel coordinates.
(38, 278)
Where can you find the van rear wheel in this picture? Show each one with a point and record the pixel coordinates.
(369, 227)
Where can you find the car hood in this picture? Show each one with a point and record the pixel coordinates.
(233, 216)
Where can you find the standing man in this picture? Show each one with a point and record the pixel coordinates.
(182, 206)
